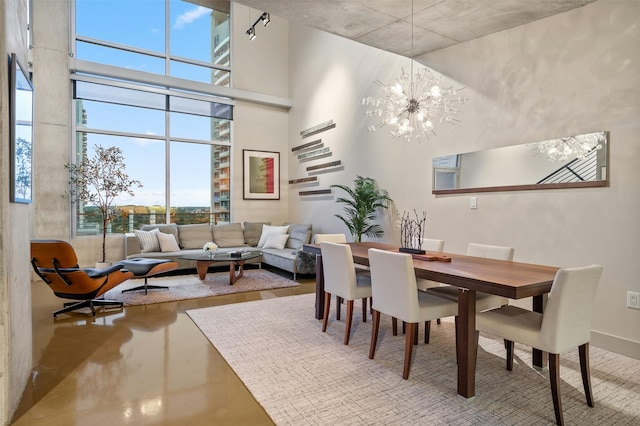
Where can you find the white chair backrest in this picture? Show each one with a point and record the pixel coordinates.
(490, 252)
(567, 315)
(332, 238)
(339, 270)
(393, 285)
(430, 244)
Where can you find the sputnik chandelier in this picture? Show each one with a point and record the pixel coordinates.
(411, 105)
(578, 146)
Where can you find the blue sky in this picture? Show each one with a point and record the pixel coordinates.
(140, 23)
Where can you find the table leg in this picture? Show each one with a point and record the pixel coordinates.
(466, 341)
(202, 266)
(233, 276)
(539, 358)
(319, 288)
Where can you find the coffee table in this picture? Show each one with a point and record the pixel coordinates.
(203, 261)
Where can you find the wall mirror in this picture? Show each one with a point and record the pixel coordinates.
(21, 132)
(569, 162)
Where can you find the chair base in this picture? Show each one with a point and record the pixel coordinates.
(145, 287)
(72, 306)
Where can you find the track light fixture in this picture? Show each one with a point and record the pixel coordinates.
(251, 32)
(265, 18)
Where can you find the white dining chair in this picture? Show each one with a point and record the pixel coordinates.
(395, 293)
(484, 301)
(565, 324)
(332, 238)
(431, 245)
(341, 280)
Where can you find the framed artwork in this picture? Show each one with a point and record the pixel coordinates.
(260, 175)
(20, 132)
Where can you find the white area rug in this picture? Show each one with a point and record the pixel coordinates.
(302, 376)
(190, 287)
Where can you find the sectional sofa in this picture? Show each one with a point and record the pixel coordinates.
(281, 246)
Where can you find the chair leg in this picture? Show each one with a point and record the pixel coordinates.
(438, 321)
(327, 304)
(347, 330)
(408, 348)
(427, 331)
(586, 372)
(338, 307)
(374, 333)
(91, 304)
(554, 376)
(394, 325)
(415, 335)
(404, 327)
(509, 345)
(364, 309)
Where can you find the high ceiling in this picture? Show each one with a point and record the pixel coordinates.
(386, 24)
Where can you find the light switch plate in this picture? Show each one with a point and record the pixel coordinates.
(473, 203)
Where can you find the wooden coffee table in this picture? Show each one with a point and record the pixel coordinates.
(203, 261)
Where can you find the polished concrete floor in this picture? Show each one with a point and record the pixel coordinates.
(143, 365)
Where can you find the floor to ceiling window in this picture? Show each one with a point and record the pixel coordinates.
(144, 78)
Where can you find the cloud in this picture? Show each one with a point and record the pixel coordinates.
(144, 141)
(190, 16)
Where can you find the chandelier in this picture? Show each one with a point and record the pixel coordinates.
(578, 146)
(411, 105)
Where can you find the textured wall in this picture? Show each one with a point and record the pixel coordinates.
(15, 292)
(572, 73)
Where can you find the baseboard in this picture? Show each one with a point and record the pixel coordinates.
(616, 344)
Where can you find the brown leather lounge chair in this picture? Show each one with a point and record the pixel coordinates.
(56, 263)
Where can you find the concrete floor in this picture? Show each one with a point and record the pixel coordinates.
(143, 365)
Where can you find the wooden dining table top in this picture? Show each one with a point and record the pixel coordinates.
(514, 280)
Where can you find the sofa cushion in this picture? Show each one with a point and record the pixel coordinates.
(252, 231)
(275, 241)
(169, 228)
(167, 242)
(148, 240)
(229, 235)
(194, 236)
(268, 230)
(299, 234)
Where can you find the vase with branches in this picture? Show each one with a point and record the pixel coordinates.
(360, 208)
(98, 181)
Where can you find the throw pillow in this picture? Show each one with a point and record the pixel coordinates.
(228, 235)
(167, 242)
(194, 236)
(252, 231)
(167, 228)
(268, 230)
(148, 240)
(275, 241)
(299, 234)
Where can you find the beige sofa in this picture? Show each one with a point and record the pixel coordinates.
(234, 236)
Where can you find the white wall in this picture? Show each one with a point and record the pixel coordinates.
(574, 73)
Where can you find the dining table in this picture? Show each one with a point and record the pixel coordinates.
(514, 280)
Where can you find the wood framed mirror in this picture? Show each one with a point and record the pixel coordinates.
(577, 161)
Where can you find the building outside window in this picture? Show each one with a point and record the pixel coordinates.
(151, 91)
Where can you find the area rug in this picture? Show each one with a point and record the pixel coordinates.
(190, 287)
(302, 376)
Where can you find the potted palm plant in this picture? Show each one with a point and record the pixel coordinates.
(360, 208)
(98, 180)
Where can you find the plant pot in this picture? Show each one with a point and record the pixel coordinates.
(102, 265)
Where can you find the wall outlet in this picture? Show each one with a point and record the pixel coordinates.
(633, 300)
